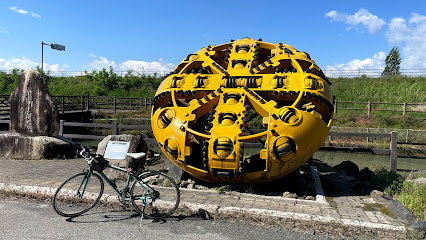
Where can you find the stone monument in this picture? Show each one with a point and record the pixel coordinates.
(34, 122)
(32, 110)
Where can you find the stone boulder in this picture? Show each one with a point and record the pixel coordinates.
(32, 110)
(137, 144)
(348, 167)
(18, 146)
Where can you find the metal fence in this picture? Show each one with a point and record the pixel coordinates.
(369, 107)
(350, 73)
(83, 73)
(330, 73)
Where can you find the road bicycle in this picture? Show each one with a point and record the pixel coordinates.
(152, 194)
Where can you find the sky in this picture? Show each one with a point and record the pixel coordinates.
(157, 35)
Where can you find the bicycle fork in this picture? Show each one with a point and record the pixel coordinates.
(83, 184)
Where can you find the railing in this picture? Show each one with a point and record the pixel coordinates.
(350, 73)
(83, 73)
(370, 107)
(331, 73)
(392, 151)
(115, 127)
(86, 103)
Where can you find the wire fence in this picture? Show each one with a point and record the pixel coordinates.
(350, 73)
(330, 73)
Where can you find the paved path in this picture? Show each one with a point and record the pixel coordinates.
(350, 211)
(111, 224)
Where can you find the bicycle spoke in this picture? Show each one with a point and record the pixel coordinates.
(78, 194)
(155, 195)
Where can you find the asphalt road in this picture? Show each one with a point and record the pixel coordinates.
(25, 219)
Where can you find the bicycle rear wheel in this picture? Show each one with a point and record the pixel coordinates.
(78, 194)
(155, 195)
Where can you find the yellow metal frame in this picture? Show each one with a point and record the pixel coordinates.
(201, 110)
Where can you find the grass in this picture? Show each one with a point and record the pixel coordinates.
(388, 89)
(377, 207)
(411, 195)
(223, 189)
(379, 120)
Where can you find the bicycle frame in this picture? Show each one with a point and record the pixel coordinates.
(130, 176)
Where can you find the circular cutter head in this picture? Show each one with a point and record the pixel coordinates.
(246, 111)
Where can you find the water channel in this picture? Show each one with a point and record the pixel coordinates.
(332, 158)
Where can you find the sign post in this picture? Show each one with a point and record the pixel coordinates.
(53, 46)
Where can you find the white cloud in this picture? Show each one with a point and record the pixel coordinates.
(3, 30)
(24, 12)
(25, 63)
(102, 63)
(412, 37)
(21, 11)
(376, 63)
(373, 23)
(21, 63)
(159, 66)
(35, 14)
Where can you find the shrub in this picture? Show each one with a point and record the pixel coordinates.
(413, 197)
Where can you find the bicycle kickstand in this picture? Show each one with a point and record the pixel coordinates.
(140, 223)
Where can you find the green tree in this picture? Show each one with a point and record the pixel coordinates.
(393, 61)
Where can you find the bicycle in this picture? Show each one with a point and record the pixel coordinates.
(152, 194)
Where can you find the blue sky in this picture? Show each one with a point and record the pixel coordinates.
(157, 35)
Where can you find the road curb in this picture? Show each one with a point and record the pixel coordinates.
(220, 212)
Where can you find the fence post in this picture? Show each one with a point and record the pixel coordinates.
(82, 103)
(335, 107)
(63, 104)
(368, 139)
(141, 99)
(146, 103)
(394, 150)
(61, 127)
(404, 109)
(406, 137)
(115, 104)
(114, 128)
(368, 109)
(87, 102)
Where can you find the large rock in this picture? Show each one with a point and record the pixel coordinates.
(32, 110)
(18, 146)
(348, 167)
(137, 144)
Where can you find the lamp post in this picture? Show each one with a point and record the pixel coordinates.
(53, 46)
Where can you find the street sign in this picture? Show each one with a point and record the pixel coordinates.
(57, 47)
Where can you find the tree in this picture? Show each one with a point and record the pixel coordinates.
(393, 60)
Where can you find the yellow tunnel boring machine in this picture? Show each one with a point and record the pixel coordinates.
(204, 111)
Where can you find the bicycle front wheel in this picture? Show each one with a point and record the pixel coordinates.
(155, 195)
(78, 194)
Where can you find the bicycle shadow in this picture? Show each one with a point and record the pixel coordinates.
(125, 215)
(104, 216)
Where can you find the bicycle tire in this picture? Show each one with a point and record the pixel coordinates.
(67, 200)
(161, 199)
